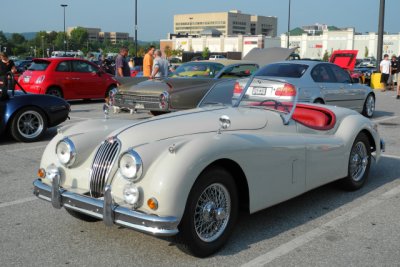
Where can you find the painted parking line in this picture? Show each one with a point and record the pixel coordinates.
(319, 231)
(386, 119)
(16, 202)
(25, 148)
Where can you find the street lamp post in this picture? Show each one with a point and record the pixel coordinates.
(380, 32)
(288, 27)
(136, 41)
(42, 46)
(65, 42)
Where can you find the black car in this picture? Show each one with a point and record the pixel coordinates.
(27, 116)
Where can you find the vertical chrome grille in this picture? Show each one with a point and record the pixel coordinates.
(101, 166)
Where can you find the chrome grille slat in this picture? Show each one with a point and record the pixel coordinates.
(101, 166)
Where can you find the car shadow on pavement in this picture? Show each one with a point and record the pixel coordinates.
(285, 217)
(379, 114)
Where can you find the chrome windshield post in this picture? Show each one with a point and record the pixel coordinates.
(286, 118)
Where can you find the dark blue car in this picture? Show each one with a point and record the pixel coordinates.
(27, 116)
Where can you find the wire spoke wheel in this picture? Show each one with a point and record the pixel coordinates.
(358, 161)
(212, 212)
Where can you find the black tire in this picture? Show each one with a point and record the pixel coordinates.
(202, 209)
(369, 106)
(55, 91)
(81, 216)
(156, 113)
(28, 125)
(107, 94)
(319, 101)
(359, 164)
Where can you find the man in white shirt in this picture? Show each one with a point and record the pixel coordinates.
(386, 69)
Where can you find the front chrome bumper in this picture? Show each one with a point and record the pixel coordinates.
(105, 209)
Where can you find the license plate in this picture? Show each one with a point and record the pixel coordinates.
(259, 91)
(139, 106)
(26, 79)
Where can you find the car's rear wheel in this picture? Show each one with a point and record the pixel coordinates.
(55, 92)
(369, 106)
(210, 213)
(359, 163)
(28, 124)
(81, 216)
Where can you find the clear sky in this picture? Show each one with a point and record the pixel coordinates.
(155, 18)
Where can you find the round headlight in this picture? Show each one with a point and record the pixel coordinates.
(131, 194)
(66, 152)
(131, 166)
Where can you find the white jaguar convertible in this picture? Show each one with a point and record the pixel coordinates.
(189, 173)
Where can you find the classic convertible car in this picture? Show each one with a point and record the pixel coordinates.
(27, 116)
(188, 173)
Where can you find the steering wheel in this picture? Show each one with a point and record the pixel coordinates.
(276, 104)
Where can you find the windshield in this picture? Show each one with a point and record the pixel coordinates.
(197, 69)
(289, 70)
(255, 92)
(39, 65)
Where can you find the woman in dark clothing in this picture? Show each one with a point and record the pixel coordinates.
(6, 66)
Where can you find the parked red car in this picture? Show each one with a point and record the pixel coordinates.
(69, 78)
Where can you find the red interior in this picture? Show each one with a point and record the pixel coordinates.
(314, 117)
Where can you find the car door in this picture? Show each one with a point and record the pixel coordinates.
(88, 82)
(325, 83)
(352, 94)
(63, 76)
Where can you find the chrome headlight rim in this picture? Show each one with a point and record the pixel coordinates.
(71, 151)
(137, 160)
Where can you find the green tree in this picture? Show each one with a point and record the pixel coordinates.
(168, 51)
(17, 39)
(366, 53)
(78, 38)
(206, 52)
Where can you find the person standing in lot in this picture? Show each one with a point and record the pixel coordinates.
(121, 66)
(148, 62)
(393, 78)
(6, 66)
(160, 66)
(385, 69)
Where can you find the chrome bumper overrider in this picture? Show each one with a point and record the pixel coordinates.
(105, 209)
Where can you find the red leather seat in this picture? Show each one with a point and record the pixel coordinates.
(317, 118)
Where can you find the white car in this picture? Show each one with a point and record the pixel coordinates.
(216, 57)
(189, 173)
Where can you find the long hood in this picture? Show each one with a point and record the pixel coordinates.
(171, 84)
(190, 122)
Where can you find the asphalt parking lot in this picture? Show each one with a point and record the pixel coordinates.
(324, 227)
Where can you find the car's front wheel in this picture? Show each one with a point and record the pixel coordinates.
(359, 163)
(369, 106)
(210, 214)
(28, 124)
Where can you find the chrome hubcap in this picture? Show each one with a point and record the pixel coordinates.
(212, 212)
(30, 124)
(359, 161)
